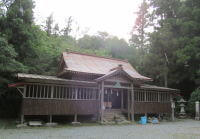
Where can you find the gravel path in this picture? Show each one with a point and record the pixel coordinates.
(186, 129)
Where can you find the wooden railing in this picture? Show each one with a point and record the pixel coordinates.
(43, 91)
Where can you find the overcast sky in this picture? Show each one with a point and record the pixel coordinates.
(113, 16)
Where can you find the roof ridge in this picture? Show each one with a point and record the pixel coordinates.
(93, 55)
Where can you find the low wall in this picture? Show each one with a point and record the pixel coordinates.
(152, 107)
(59, 107)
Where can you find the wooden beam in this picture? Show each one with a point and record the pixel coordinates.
(111, 86)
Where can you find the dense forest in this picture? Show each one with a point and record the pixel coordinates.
(164, 45)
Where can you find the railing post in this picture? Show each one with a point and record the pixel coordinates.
(197, 110)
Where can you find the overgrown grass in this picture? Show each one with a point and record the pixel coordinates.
(7, 123)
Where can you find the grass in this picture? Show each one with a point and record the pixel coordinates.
(11, 124)
(7, 123)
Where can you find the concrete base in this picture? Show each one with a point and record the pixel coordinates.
(35, 123)
(51, 124)
(76, 123)
(21, 125)
(197, 118)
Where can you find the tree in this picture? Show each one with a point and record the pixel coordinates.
(139, 34)
(195, 96)
(68, 28)
(174, 44)
(56, 30)
(49, 24)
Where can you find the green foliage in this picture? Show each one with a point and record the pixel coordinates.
(170, 54)
(173, 52)
(139, 33)
(195, 96)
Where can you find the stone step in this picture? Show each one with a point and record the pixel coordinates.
(113, 115)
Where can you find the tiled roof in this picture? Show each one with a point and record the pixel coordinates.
(85, 63)
(33, 77)
(147, 86)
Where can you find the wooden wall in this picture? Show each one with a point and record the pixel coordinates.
(152, 107)
(59, 107)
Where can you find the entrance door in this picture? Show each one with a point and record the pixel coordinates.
(112, 98)
(116, 98)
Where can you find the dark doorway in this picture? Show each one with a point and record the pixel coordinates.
(112, 98)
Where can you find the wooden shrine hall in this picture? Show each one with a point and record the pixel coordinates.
(91, 85)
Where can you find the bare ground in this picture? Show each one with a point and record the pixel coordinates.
(183, 129)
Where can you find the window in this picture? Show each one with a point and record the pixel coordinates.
(150, 96)
(60, 92)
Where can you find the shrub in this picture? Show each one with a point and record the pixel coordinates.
(195, 96)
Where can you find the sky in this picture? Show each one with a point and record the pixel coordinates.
(116, 17)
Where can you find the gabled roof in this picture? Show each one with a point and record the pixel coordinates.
(116, 71)
(92, 64)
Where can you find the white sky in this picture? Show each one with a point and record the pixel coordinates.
(113, 16)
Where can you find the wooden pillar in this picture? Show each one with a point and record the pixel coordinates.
(99, 100)
(122, 100)
(75, 118)
(50, 118)
(128, 96)
(22, 119)
(102, 101)
(132, 103)
(24, 95)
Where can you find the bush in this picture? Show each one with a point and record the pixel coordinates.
(195, 96)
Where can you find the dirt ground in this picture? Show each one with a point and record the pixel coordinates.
(182, 129)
